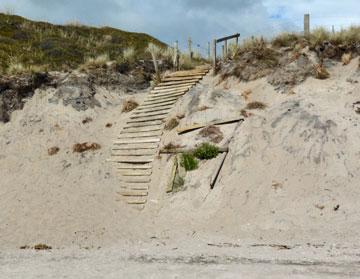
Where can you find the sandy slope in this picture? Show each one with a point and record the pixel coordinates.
(289, 167)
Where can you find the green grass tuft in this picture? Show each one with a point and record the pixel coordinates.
(189, 162)
(206, 151)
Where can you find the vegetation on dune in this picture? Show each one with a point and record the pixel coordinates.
(189, 162)
(206, 151)
(32, 46)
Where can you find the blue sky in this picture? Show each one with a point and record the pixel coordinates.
(171, 20)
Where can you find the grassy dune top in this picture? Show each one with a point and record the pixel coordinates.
(27, 45)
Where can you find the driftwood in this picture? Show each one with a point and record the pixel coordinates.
(183, 130)
(187, 150)
(218, 170)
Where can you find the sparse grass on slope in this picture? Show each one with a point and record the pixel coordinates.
(29, 46)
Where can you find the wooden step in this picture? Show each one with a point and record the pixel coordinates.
(170, 90)
(144, 124)
(135, 172)
(149, 114)
(189, 73)
(133, 193)
(152, 95)
(129, 160)
(181, 82)
(174, 86)
(142, 129)
(156, 109)
(182, 78)
(130, 179)
(160, 103)
(137, 201)
(134, 152)
(145, 119)
(135, 186)
(125, 166)
(135, 146)
(137, 140)
(160, 96)
(141, 134)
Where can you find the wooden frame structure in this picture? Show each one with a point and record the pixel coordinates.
(225, 47)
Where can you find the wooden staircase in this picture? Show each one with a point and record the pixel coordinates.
(137, 144)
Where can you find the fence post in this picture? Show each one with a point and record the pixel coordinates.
(306, 25)
(176, 55)
(209, 52)
(237, 41)
(214, 55)
(333, 29)
(225, 50)
(190, 48)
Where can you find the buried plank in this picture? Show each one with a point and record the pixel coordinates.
(170, 184)
(215, 176)
(188, 150)
(186, 129)
(135, 186)
(136, 140)
(137, 201)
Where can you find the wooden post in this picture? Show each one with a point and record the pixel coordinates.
(214, 55)
(223, 52)
(306, 25)
(333, 29)
(226, 50)
(237, 41)
(209, 51)
(176, 56)
(190, 48)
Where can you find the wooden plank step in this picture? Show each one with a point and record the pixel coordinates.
(135, 179)
(135, 186)
(188, 73)
(159, 103)
(170, 90)
(137, 140)
(147, 110)
(131, 154)
(141, 134)
(135, 172)
(135, 146)
(156, 106)
(124, 166)
(142, 129)
(156, 97)
(159, 91)
(149, 114)
(133, 193)
(147, 119)
(137, 201)
(180, 82)
(129, 160)
(182, 78)
(158, 94)
(175, 86)
(147, 124)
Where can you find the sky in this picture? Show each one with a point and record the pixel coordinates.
(202, 20)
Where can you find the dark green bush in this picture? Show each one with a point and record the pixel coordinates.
(206, 151)
(189, 162)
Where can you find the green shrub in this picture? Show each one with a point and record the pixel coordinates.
(206, 151)
(189, 162)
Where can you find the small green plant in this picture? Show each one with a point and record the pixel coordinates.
(206, 151)
(189, 162)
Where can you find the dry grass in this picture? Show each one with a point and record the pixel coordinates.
(285, 40)
(129, 105)
(96, 62)
(245, 114)
(171, 124)
(53, 150)
(87, 120)
(321, 72)
(83, 147)
(108, 125)
(256, 105)
(213, 133)
(246, 94)
(346, 58)
(171, 146)
(203, 108)
(129, 54)
(42, 247)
